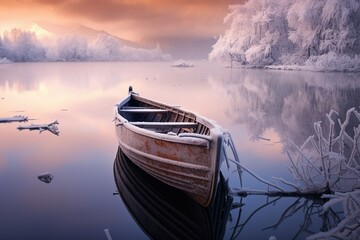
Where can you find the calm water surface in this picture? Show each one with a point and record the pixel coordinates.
(260, 108)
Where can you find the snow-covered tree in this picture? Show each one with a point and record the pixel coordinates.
(340, 27)
(264, 32)
(105, 48)
(73, 48)
(319, 27)
(22, 46)
(236, 40)
(257, 34)
(304, 21)
(2, 54)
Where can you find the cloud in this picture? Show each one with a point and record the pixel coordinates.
(114, 10)
(138, 20)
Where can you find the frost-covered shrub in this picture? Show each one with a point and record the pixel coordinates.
(349, 226)
(329, 163)
(334, 62)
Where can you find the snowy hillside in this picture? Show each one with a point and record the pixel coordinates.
(48, 42)
(318, 35)
(85, 31)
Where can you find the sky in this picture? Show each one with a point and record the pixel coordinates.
(186, 29)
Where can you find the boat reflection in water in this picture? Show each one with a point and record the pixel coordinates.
(164, 212)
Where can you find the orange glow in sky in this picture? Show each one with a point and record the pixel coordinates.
(143, 21)
(144, 18)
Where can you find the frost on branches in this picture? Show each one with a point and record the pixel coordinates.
(319, 35)
(326, 165)
(349, 226)
(329, 163)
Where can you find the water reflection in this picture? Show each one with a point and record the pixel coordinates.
(288, 102)
(281, 217)
(163, 212)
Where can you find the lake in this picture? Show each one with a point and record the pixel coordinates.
(260, 108)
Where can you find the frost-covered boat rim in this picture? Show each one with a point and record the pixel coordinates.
(216, 130)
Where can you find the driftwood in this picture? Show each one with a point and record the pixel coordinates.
(244, 193)
(18, 118)
(51, 127)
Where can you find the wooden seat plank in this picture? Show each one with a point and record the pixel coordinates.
(165, 124)
(143, 110)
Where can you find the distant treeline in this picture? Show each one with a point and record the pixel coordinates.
(24, 46)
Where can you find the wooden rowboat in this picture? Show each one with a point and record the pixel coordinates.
(180, 148)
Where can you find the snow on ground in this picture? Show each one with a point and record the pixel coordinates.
(4, 61)
(325, 63)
